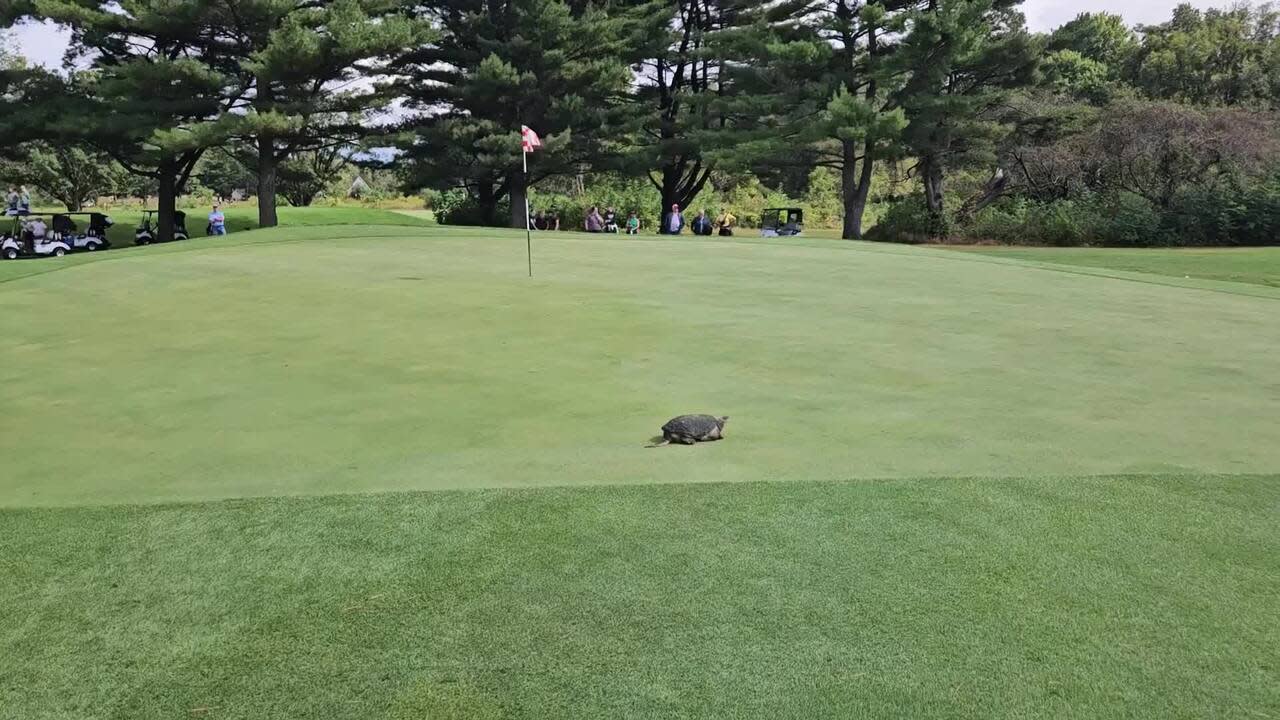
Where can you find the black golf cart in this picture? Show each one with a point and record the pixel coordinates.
(781, 222)
(149, 231)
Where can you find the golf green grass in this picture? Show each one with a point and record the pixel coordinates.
(1259, 266)
(377, 472)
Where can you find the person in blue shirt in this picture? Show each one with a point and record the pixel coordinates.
(217, 221)
(701, 225)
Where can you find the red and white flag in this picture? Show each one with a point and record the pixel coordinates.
(529, 139)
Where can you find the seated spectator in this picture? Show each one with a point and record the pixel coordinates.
(726, 223)
(594, 223)
(37, 229)
(553, 220)
(633, 224)
(11, 202)
(24, 200)
(539, 221)
(701, 225)
(611, 221)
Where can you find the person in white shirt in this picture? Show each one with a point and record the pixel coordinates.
(37, 228)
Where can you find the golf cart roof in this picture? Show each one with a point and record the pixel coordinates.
(785, 210)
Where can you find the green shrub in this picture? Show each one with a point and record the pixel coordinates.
(908, 221)
(1062, 223)
(1259, 223)
(456, 207)
(1003, 223)
(1127, 220)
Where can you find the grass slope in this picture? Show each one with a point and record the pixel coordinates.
(1134, 597)
(1258, 266)
(424, 359)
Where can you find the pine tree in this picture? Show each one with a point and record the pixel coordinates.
(155, 82)
(860, 123)
(736, 86)
(962, 57)
(560, 68)
(304, 62)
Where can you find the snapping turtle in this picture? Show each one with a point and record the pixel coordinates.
(690, 429)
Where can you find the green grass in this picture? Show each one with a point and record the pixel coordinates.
(376, 472)
(1053, 597)
(1258, 266)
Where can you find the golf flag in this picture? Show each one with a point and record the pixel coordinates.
(529, 139)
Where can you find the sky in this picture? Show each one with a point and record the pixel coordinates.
(44, 44)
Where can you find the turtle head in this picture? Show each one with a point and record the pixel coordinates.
(721, 421)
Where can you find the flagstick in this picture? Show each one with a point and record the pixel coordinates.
(528, 231)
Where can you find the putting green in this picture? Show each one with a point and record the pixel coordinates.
(335, 360)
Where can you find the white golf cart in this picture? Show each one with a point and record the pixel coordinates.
(22, 242)
(93, 238)
(148, 231)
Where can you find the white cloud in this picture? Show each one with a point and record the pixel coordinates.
(1049, 14)
(42, 43)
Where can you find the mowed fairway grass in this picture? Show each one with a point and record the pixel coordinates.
(376, 472)
(1258, 266)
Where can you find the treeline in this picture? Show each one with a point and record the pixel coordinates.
(929, 118)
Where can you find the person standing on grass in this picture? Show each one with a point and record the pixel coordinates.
(673, 222)
(217, 221)
(701, 224)
(726, 222)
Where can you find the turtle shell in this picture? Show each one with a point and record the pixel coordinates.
(695, 426)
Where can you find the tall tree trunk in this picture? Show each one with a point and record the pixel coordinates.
(670, 192)
(855, 188)
(855, 202)
(167, 199)
(267, 170)
(682, 185)
(931, 175)
(517, 192)
(487, 202)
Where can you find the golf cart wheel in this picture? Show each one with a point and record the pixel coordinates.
(59, 252)
(10, 254)
(92, 247)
